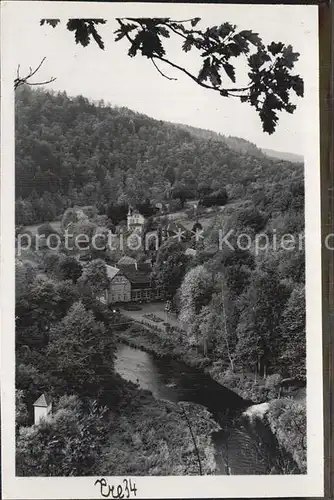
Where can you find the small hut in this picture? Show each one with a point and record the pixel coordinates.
(42, 408)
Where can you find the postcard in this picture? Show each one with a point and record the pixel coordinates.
(161, 251)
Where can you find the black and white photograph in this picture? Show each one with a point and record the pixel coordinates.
(161, 279)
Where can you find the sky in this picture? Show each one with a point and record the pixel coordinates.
(116, 78)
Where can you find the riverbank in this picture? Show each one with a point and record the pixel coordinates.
(284, 417)
(162, 344)
(158, 438)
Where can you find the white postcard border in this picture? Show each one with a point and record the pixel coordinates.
(309, 485)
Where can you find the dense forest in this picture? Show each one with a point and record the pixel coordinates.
(70, 151)
(243, 311)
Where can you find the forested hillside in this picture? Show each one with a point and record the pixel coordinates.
(70, 151)
(237, 144)
(281, 155)
(240, 311)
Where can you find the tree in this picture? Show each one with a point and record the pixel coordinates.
(258, 331)
(51, 262)
(70, 216)
(82, 232)
(287, 419)
(116, 146)
(94, 278)
(212, 322)
(182, 193)
(69, 443)
(45, 302)
(293, 328)
(167, 248)
(230, 257)
(170, 270)
(26, 80)
(81, 354)
(69, 268)
(269, 71)
(117, 212)
(21, 410)
(196, 291)
(38, 311)
(146, 208)
(68, 295)
(30, 380)
(196, 227)
(219, 197)
(169, 174)
(298, 195)
(25, 274)
(204, 189)
(252, 218)
(46, 230)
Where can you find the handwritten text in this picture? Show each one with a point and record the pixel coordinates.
(125, 489)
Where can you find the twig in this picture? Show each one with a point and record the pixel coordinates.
(25, 80)
(186, 72)
(195, 79)
(194, 440)
(161, 73)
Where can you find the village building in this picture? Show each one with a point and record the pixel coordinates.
(119, 289)
(42, 408)
(126, 260)
(131, 282)
(135, 220)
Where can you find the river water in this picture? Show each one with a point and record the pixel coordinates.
(241, 447)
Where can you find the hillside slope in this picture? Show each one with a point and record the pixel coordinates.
(236, 144)
(71, 151)
(281, 155)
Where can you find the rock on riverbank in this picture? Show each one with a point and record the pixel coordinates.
(286, 418)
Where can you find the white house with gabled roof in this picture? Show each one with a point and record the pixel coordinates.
(42, 408)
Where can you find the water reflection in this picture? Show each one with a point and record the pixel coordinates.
(174, 381)
(241, 448)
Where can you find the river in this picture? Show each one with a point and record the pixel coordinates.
(241, 448)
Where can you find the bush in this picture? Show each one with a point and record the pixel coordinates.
(68, 443)
(153, 318)
(175, 205)
(27, 239)
(253, 218)
(51, 261)
(46, 230)
(287, 420)
(219, 198)
(273, 381)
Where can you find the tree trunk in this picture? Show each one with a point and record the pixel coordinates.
(226, 334)
(205, 347)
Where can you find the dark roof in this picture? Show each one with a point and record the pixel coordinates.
(139, 276)
(135, 211)
(126, 260)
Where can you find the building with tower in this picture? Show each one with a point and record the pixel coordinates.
(135, 220)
